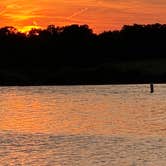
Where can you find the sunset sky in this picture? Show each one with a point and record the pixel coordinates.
(100, 15)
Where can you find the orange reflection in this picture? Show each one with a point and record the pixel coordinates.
(22, 115)
(81, 113)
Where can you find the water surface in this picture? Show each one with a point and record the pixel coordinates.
(83, 125)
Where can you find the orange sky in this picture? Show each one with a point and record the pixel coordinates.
(100, 15)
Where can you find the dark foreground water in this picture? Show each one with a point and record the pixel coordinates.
(83, 126)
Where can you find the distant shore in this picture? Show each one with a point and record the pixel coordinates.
(116, 72)
(74, 55)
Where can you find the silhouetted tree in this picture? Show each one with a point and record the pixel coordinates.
(74, 49)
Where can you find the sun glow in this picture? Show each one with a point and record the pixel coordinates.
(26, 29)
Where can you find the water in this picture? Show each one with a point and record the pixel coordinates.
(119, 125)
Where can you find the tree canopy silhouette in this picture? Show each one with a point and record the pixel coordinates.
(60, 52)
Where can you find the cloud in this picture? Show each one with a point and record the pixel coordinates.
(78, 13)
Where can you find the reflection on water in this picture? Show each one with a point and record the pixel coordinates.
(83, 125)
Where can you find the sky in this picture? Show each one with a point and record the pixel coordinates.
(100, 15)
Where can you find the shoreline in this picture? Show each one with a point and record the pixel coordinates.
(79, 84)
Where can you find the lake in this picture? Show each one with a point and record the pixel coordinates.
(108, 125)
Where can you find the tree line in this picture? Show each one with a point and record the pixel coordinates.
(59, 49)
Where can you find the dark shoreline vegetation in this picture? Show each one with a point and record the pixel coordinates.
(73, 55)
